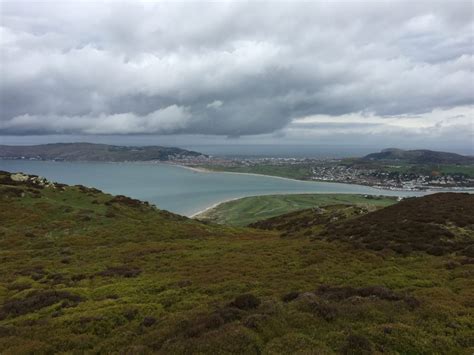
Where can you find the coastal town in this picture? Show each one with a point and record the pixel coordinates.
(394, 180)
(392, 169)
(339, 170)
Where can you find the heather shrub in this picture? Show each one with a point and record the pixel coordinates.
(148, 321)
(120, 271)
(357, 344)
(290, 296)
(36, 300)
(246, 301)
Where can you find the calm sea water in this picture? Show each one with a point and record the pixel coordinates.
(175, 188)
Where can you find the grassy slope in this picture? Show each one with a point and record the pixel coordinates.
(248, 210)
(168, 282)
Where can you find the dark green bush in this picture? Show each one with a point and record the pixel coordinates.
(290, 296)
(357, 344)
(246, 301)
(36, 300)
(121, 271)
(148, 321)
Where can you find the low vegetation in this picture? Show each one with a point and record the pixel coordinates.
(85, 272)
(438, 224)
(310, 221)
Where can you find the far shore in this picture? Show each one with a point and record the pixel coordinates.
(382, 188)
(204, 170)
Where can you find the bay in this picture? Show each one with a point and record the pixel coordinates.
(178, 189)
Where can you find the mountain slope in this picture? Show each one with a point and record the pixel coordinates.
(86, 272)
(93, 152)
(422, 156)
(308, 221)
(439, 224)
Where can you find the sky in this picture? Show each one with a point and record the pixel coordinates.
(373, 73)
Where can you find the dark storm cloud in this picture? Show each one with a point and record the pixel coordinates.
(229, 69)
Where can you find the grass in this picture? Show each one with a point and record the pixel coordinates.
(420, 169)
(467, 170)
(249, 210)
(84, 272)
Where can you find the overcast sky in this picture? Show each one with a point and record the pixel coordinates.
(385, 73)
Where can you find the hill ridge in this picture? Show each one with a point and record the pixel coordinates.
(420, 156)
(84, 151)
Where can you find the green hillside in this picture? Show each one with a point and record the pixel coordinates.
(86, 272)
(249, 210)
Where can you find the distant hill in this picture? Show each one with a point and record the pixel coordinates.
(422, 156)
(439, 224)
(93, 152)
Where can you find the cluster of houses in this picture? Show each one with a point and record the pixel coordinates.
(389, 180)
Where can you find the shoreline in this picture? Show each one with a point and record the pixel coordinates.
(217, 204)
(207, 209)
(430, 189)
(192, 168)
(378, 190)
(204, 170)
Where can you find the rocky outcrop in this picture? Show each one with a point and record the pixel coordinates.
(29, 180)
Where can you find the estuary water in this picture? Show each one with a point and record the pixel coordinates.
(178, 189)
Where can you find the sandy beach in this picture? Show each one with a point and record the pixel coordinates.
(207, 209)
(203, 170)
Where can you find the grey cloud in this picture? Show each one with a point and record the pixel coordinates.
(117, 68)
(336, 125)
(166, 120)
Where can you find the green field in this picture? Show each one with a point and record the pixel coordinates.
(467, 170)
(437, 169)
(248, 210)
(290, 171)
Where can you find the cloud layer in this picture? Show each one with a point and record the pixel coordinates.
(233, 68)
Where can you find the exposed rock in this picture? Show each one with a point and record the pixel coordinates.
(19, 177)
